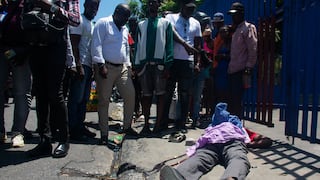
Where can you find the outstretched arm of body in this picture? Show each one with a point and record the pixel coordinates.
(258, 140)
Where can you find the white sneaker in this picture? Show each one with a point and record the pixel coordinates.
(3, 137)
(17, 141)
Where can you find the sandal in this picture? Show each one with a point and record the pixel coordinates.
(177, 137)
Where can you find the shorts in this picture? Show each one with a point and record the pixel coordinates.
(152, 80)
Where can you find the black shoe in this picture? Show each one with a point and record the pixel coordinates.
(159, 129)
(170, 173)
(27, 134)
(130, 132)
(61, 150)
(103, 140)
(184, 130)
(78, 137)
(145, 131)
(88, 133)
(43, 149)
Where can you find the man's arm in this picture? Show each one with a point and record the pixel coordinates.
(197, 55)
(75, 41)
(180, 40)
(99, 32)
(252, 43)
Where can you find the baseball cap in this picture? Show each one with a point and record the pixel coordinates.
(236, 8)
(218, 17)
(189, 3)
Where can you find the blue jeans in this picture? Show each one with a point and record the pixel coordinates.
(78, 97)
(21, 75)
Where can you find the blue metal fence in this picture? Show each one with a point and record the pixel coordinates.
(294, 82)
(301, 55)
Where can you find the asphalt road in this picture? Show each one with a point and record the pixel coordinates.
(142, 158)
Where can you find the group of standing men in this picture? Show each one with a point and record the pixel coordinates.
(166, 53)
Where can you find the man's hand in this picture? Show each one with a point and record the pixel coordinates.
(50, 7)
(131, 72)
(103, 71)
(166, 74)
(197, 68)
(190, 49)
(80, 72)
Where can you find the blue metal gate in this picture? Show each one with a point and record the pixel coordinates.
(301, 62)
(288, 80)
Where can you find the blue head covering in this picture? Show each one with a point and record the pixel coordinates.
(222, 115)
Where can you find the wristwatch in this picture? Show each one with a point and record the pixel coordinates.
(54, 8)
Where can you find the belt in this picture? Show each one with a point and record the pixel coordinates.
(113, 64)
(154, 63)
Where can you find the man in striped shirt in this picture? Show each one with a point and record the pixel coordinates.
(153, 57)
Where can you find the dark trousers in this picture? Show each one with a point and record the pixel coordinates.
(181, 73)
(48, 70)
(236, 91)
(231, 155)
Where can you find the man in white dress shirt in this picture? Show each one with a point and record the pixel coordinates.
(111, 55)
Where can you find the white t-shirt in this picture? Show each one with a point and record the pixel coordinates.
(85, 30)
(188, 29)
(70, 62)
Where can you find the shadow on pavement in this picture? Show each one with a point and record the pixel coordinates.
(289, 160)
(12, 157)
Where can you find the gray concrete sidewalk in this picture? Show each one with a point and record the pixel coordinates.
(91, 161)
(281, 161)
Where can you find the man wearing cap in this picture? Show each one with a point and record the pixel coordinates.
(217, 22)
(181, 71)
(243, 56)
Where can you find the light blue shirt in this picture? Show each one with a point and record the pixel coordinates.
(109, 44)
